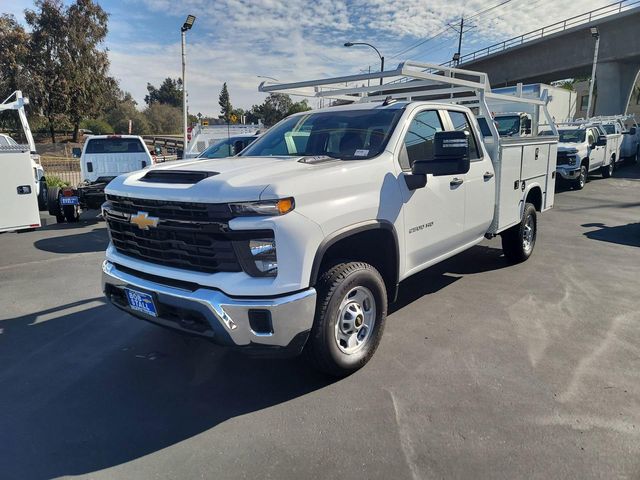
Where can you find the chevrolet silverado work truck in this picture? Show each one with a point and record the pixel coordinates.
(298, 244)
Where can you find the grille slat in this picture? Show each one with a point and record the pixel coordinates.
(193, 236)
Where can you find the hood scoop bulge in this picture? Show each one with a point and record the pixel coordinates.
(176, 176)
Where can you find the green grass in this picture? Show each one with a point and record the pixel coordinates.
(56, 182)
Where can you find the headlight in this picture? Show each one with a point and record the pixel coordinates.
(263, 254)
(263, 207)
(572, 160)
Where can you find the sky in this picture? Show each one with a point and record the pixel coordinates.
(234, 41)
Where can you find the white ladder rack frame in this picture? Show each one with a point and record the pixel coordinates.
(421, 78)
(18, 104)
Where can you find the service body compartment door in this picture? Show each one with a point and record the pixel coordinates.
(18, 200)
(509, 188)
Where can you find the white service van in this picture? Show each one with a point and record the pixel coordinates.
(299, 243)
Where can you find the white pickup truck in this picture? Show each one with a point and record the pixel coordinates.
(102, 158)
(300, 243)
(627, 127)
(584, 150)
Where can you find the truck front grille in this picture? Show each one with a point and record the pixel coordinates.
(563, 158)
(191, 236)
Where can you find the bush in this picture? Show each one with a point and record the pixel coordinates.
(97, 126)
(56, 182)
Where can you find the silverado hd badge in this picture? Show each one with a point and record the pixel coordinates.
(144, 221)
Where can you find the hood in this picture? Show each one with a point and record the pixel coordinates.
(222, 180)
(569, 147)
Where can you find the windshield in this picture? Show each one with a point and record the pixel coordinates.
(508, 125)
(114, 145)
(346, 134)
(572, 136)
(610, 129)
(226, 147)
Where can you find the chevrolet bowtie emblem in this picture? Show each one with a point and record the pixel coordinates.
(144, 221)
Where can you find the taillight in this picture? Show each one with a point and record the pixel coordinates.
(67, 192)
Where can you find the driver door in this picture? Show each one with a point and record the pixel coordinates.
(433, 214)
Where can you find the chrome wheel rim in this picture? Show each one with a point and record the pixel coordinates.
(611, 167)
(528, 234)
(583, 176)
(356, 319)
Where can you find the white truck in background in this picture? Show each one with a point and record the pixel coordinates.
(18, 188)
(627, 127)
(202, 137)
(102, 158)
(298, 244)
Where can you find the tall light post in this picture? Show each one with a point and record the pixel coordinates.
(595, 34)
(351, 44)
(188, 23)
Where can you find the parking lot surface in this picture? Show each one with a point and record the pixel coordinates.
(485, 370)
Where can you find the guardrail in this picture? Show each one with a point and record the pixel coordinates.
(561, 26)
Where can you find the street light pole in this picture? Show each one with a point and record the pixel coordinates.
(183, 32)
(351, 44)
(595, 34)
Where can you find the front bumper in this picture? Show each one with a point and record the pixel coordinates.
(273, 326)
(568, 173)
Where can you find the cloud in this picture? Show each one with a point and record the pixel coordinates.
(235, 40)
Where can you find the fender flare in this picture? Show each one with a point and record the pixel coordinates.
(350, 231)
(529, 187)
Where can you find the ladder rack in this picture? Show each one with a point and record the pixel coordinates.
(414, 81)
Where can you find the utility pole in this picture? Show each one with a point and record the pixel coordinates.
(457, 56)
(183, 32)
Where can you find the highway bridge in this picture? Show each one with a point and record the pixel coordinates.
(565, 50)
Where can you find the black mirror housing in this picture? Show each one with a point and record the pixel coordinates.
(632, 131)
(602, 141)
(451, 155)
(76, 152)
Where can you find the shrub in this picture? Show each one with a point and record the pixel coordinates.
(56, 182)
(97, 126)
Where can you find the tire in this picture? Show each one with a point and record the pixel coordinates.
(43, 196)
(581, 181)
(519, 241)
(70, 213)
(53, 204)
(351, 310)
(607, 170)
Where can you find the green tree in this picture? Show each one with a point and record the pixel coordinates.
(169, 93)
(225, 103)
(14, 45)
(123, 110)
(88, 65)
(48, 61)
(276, 107)
(163, 118)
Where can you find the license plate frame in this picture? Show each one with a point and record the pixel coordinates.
(73, 200)
(141, 302)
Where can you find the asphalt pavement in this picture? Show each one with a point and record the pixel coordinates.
(485, 371)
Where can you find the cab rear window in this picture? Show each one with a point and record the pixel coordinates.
(114, 145)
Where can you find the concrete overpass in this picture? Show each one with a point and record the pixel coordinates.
(566, 50)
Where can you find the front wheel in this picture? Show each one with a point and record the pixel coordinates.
(581, 181)
(518, 241)
(350, 314)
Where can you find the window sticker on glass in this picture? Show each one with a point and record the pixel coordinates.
(361, 153)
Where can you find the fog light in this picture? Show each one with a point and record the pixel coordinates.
(263, 252)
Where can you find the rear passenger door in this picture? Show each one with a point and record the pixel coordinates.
(433, 214)
(479, 181)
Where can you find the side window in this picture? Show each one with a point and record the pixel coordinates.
(418, 142)
(461, 122)
(591, 138)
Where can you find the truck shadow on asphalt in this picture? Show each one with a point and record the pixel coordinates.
(628, 234)
(95, 240)
(93, 389)
(475, 260)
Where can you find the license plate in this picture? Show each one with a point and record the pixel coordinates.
(69, 200)
(141, 302)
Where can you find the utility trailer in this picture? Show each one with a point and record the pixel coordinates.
(18, 194)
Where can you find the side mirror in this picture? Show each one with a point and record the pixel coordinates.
(451, 155)
(238, 146)
(158, 150)
(602, 141)
(526, 126)
(76, 152)
(632, 131)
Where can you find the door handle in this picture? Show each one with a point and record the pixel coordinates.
(488, 175)
(456, 181)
